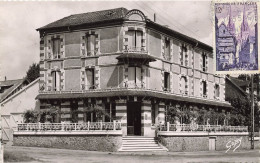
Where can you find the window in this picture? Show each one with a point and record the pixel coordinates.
(55, 80)
(166, 81)
(204, 89)
(134, 77)
(56, 48)
(110, 109)
(204, 62)
(74, 113)
(90, 82)
(216, 91)
(91, 44)
(184, 85)
(184, 56)
(167, 49)
(134, 40)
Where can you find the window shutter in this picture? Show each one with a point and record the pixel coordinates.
(131, 76)
(138, 76)
(139, 39)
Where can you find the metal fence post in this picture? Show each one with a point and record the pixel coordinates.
(114, 125)
(75, 125)
(100, 125)
(88, 125)
(168, 126)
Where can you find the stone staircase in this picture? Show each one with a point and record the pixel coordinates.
(139, 143)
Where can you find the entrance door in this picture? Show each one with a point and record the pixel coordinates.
(133, 118)
(212, 143)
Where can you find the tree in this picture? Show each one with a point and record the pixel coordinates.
(33, 72)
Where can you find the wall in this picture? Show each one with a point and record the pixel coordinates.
(72, 44)
(72, 79)
(109, 77)
(109, 40)
(154, 44)
(79, 142)
(187, 142)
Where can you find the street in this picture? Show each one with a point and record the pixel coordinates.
(34, 154)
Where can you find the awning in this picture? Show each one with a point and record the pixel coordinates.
(135, 56)
(132, 92)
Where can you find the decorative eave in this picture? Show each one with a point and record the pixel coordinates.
(135, 57)
(124, 92)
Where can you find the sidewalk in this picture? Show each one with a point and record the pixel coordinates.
(37, 154)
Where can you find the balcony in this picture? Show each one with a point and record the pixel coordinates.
(132, 49)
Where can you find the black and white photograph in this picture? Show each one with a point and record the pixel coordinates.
(125, 81)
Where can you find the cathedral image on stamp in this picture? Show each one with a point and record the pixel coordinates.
(236, 37)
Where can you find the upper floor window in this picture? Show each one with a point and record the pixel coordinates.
(166, 81)
(90, 79)
(134, 77)
(204, 89)
(217, 91)
(167, 49)
(184, 55)
(56, 82)
(184, 85)
(134, 40)
(56, 48)
(204, 62)
(90, 42)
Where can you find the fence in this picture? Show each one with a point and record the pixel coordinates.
(194, 127)
(69, 126)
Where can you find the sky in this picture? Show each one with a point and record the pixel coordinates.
(19, 40)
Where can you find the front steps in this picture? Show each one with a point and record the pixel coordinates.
(139, 143)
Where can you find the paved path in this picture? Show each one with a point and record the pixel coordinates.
(75, 156)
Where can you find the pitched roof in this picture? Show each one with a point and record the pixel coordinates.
(94, 18)
(10, 85)
(24, 88)
(130, 92)
(87, 18)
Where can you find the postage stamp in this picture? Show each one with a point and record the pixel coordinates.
(236, 37)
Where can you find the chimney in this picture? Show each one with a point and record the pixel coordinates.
(154, 17)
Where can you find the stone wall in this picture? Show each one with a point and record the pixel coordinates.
(181, 143)
(201, 143)
(79, 142)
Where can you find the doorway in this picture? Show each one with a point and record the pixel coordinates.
(133, 118)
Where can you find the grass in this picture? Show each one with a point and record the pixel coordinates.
(17, 157)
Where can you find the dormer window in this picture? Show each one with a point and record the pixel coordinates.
(217, 92)
(166, 81)
(184, 55)
(134, 77)
(204, 62)
(204, 89)
(90, 42)
(90, 79)
(134, 40)
(184, 85)
(167, 49)
(56, 48)
(56, 82)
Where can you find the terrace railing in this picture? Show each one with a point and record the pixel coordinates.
(204, 128)
(87, 126)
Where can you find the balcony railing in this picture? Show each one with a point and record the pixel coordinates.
(132, 49)
(203, 128)
(87, 126)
